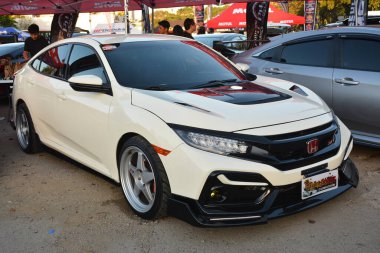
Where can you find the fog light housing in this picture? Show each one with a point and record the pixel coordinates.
(216, 194)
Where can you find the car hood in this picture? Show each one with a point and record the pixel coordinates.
(241, 106)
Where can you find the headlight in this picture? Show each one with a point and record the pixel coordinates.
(215, 144)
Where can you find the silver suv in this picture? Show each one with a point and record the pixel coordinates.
(342, 65)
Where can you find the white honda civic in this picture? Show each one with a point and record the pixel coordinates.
(182, 129)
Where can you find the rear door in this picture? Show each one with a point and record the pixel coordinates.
(308, 62)
(356, 88)
(47, 74)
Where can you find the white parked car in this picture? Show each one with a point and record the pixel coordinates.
(183, 129)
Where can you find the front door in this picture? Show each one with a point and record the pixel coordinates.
(356, 88)
(82, 117)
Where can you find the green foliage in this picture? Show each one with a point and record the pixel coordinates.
(216, 10)
(328, 11)
(23, 22)
(373, 5)
(7, 20)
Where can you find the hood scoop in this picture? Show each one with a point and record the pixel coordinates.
(191, 106)
(245, 93)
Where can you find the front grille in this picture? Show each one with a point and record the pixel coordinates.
(289, 151)
(300, 133)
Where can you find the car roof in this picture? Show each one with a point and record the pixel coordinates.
(14, 44)
(218, 35)
(299, 35)
(120, 38)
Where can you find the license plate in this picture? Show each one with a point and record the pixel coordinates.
(320, 183)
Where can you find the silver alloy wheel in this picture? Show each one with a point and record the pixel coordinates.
(137, 179)
(22, 129)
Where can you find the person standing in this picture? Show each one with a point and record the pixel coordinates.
(190, 27)
(34, 43)
(177, 30)
(201, 30)
(163, 27)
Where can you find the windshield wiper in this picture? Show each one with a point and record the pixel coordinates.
(215, 83)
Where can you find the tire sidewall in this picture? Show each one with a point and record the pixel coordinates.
(33, 140)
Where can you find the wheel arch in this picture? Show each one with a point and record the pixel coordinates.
(123, 139)
(20, 101)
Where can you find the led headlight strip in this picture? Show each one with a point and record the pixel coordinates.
(211, 143)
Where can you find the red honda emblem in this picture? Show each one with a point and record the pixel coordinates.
(312, 146)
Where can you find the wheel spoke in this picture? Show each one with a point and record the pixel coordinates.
(140, 161)
(132, 169)
(136, 190)
(148, 194)
(147, 177)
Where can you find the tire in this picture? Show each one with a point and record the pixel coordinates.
(143, 179)
(26, 135)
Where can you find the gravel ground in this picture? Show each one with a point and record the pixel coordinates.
(48, 203)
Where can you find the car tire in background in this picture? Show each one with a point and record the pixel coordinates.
(26, 135)
(143, 178)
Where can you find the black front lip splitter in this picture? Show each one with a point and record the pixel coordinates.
(190, 211)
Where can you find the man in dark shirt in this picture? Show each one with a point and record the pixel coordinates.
(190, 27)
(163, 27)
(34, 43)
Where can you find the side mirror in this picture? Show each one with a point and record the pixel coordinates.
(221, 48)
(89, 83)
(242, 66)
(86, 80)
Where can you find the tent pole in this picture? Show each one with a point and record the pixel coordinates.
(126, 16)
(152, 31)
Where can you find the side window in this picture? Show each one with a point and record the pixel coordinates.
(269, 54)
(234, 45)
(313, 53)
(36, 64)
(361, 54)
(53, 61)
(84, 61)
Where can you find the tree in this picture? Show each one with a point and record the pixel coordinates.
(23, 22)
(373, 5)
(329, 11)
(7, 20)
(216, 10)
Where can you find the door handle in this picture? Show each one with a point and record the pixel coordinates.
(62, 96)
(274, 71)
(30, 83)
(347, 81)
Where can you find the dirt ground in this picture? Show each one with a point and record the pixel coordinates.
(49, 203)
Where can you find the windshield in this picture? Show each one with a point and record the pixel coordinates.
(168, 65)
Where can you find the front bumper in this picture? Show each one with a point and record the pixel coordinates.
(277, 202)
